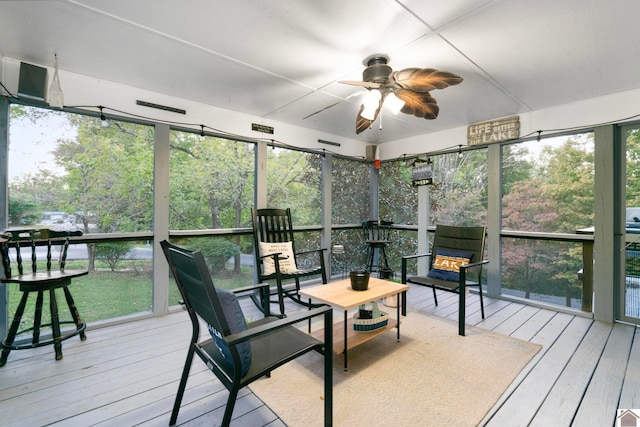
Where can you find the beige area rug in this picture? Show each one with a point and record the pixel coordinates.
(432, 377)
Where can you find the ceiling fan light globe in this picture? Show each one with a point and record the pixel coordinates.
(372, 98)
(393, 103)
(368, 113)
(371, 104)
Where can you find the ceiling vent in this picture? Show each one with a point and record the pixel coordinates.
(161, 107)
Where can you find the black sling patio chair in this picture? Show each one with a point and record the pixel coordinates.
(238, 352)
(457, 253)
(276, 259)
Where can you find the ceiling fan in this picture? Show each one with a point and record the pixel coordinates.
(406, 90)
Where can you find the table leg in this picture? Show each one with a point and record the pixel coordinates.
(587, 276)
(404, 303)
(398, 316)
(345, 340)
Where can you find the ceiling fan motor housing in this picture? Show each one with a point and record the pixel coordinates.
(377, 70)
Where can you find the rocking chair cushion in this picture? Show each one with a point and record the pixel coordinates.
(286, 260)
(235, 318)
(446, 265)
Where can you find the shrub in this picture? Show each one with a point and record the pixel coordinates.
(217, 251)
(113, 252)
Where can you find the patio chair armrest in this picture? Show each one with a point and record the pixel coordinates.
(248, 288)
(311, 251)
(474, 264)
(406, 257)
(404, 264)
(274, 255)
(465, 267)
(266, 328)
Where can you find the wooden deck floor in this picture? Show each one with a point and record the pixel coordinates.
(127, 375)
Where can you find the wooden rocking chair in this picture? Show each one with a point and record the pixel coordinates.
(276, 257)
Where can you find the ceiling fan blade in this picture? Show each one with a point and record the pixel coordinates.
(325, 108)
(360, 92)
(420, 104)
(363, 124)
(368, 85)
(423, 79)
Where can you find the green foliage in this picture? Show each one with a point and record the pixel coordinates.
(633, 168)
(216, 251)
(293, 181)
(109, 175)
(458, 195)
(113, 252)
(515, 166)
(22, 211)
(398, 198)
(33, 114)
(211, 182)
(555, 195)
(350, 199)
(37, 192)
(568, 173)
(104, 294)
(107, 179)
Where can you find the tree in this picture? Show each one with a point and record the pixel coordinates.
(568, 173)
(350, 198)
(113, 252)
(525, 262)
(398, 197)
(211, 181)
(109, 176)
(633, 168)
(211, 185)
(22, 211)
(570, 181)
(459, 193)
(557, 196)
(516, 166)
(293, 180)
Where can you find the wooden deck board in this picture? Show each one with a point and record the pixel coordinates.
(630, 397)
(128, 374)
(527, 330)
(516, 321)
(598, 406)
(511, 399)
(560, 405)
(499, 316)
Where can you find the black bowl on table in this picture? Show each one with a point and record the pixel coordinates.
(359, 280)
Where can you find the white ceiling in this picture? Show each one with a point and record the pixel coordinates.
(281, 59)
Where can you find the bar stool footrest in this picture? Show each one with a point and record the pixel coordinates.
(63, 336)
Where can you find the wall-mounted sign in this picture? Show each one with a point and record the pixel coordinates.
(422, 173)
(493, 131)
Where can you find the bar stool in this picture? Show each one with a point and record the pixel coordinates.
(37, 282)
(376, 234)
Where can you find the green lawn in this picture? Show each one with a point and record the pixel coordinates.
(104, 294)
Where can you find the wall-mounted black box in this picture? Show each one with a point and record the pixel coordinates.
(33, 82)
